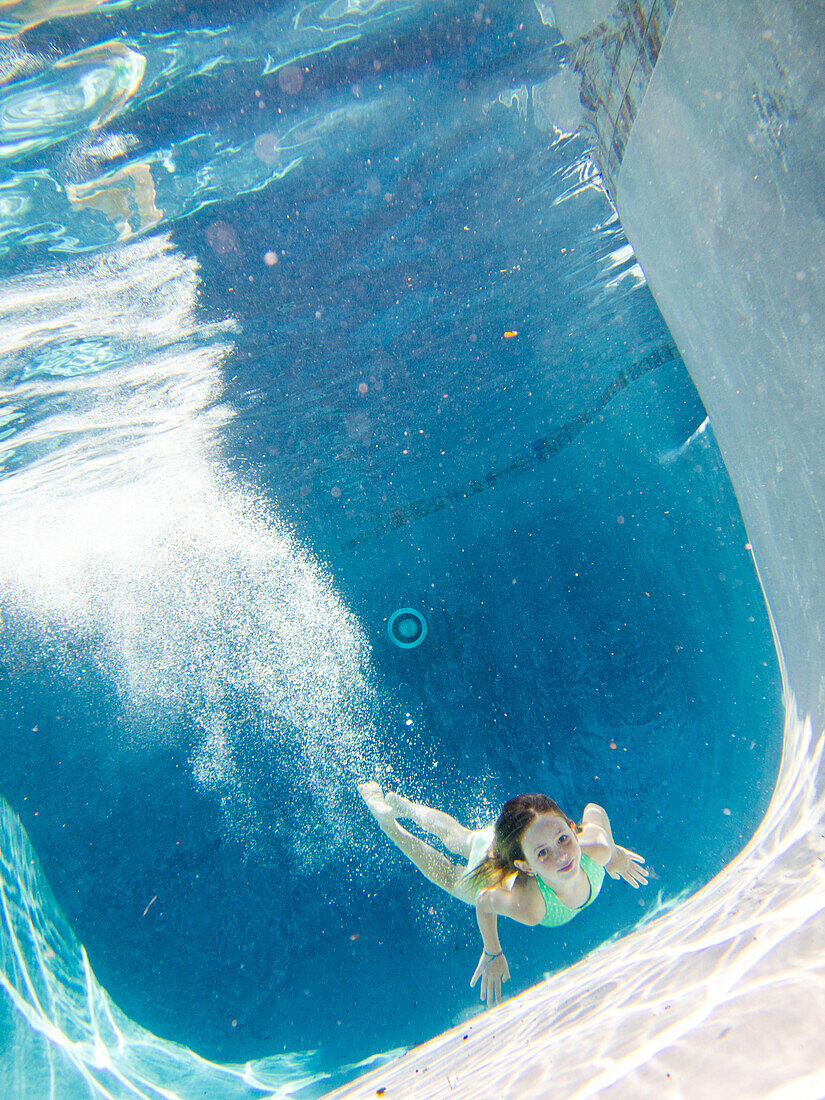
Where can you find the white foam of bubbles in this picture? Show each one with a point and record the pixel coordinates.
(123, 531)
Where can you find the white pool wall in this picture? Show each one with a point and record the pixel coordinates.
(721, 190)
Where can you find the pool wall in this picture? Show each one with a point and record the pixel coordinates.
(715, 163)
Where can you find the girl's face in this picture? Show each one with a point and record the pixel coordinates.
(551, 849)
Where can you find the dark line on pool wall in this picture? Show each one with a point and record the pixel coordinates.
(611, 101)
(540, 450)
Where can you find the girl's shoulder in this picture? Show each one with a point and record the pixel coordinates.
(520, 898)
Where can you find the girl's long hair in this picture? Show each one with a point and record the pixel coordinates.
(514, 820)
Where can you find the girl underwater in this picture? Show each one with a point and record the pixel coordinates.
(533, 865)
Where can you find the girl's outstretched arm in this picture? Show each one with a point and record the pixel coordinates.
(492, 966)
(516, 903)
(596, 839)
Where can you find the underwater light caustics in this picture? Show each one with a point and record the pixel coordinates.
(126, 537)
(17, 16)
(80, 92)
(164, 184)
(86, 89)
(70, 1039)
(94, 183)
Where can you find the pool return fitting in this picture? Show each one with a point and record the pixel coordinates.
(407, 628)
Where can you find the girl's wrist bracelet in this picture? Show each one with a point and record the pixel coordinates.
(491, 955)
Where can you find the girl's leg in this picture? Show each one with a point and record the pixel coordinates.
(450, 832)
(432, 864)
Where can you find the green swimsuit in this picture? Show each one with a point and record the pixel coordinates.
(558, 913)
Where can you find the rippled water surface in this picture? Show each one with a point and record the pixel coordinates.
(310, 313)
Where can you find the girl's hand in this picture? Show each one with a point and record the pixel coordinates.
(492, 973)
(625, 864)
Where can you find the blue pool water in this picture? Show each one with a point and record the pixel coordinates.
(308, 317)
